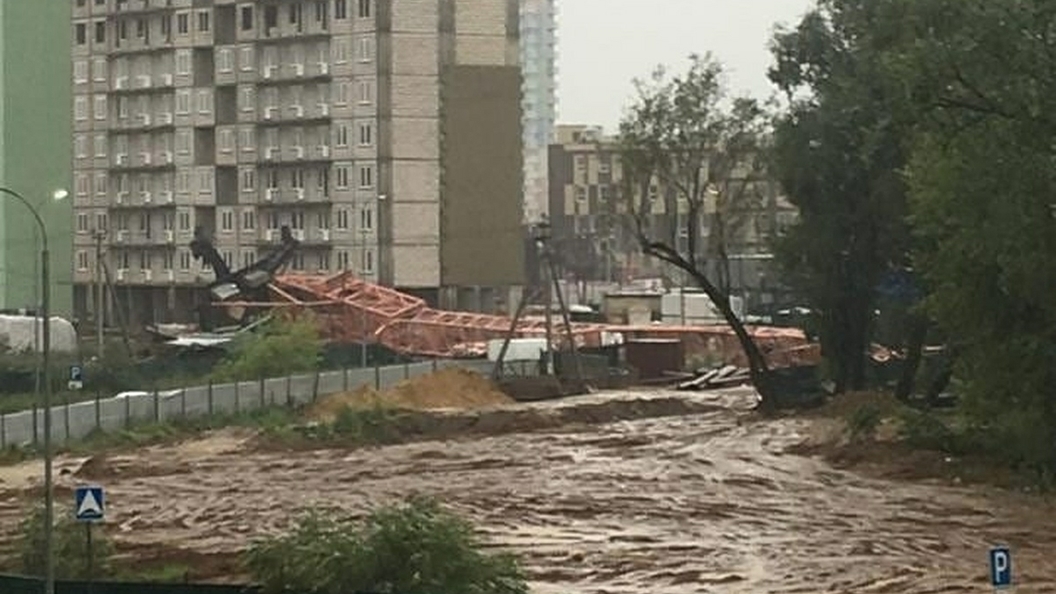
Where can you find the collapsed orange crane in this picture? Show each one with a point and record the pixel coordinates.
(352, 309)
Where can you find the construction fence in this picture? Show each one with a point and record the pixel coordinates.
(75, 421)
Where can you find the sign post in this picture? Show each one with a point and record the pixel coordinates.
(90, 507)
(1000, 568)
(76, 378)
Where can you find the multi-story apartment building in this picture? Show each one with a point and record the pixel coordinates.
(34, 151)
(592, 219)
(384, 133)
(539, 99)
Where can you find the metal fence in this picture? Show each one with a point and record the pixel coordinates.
(75, 421)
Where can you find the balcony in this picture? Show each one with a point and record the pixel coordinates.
(274, 74)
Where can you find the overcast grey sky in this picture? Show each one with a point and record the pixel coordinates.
(604, 44)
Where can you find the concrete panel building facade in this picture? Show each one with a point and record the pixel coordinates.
(35, 150)
(241, 117)
(539, 99)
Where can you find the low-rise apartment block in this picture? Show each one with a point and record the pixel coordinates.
(592, 218)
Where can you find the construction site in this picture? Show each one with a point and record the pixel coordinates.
(639, 489)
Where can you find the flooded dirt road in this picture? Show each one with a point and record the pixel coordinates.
(704, 502)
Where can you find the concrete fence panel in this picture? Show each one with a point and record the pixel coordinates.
(77, 421)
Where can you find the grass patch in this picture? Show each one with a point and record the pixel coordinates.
(279, 426)
(169, 573)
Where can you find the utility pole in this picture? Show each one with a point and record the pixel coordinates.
(99, 235)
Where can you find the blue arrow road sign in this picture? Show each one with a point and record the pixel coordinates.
(90, 504)
(1000, 567)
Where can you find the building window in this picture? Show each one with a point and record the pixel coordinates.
(144, 261)
(80, 145)
(247, 18)
(183, 101)
(343, 91)
(364, 8)
(80, 32)
(320, 12)
(247, 140)
(247, 258)
(342, 178)
(249, 180)
(342, 219)
(82, 222)
(183, 62)
(249, 220)
(183, 142)
(341, 136)
(297, 220)
(225, 59)
(368, 261)
(185, 260)
(185, 221)
(80, 108)
(581, 194)
(205, 181)
(366, 92)
(100, 146)
(366, 219)
(366, 134)
(226, 140)
(365, 50)
(273, 179)
(80, 71)
(227, 220)
(322, 221)
(340, 9)
(324, 261)
(99, 70)
(246, 59)
(342, 50)
(100, 107)
(297, 179)
(229, 259)
(205, 101)
(100, 221)
(168, 261)
(203, 20)
(100, 183)
(183, 24)
(366, 176)
(82, 260)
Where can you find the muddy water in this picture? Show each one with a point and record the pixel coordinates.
(694, 503)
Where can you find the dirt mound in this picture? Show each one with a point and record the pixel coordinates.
(448, 388)
(407, 426)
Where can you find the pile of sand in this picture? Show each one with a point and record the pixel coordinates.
(448, 388)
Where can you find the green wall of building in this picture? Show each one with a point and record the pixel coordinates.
(35, 148)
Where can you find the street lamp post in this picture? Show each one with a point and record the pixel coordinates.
(45, 302)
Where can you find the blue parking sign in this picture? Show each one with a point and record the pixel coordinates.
(1000, 567)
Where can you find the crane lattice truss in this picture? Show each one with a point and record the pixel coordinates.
(353, 310)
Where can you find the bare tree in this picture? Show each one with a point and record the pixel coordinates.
(684, 146)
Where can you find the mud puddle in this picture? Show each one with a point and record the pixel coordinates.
(630, 500)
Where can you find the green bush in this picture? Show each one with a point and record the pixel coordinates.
(411, 548)
(280, 347)
(69, 542)
(864, 421)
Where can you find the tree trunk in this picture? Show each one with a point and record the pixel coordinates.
(918, 334)
(758, 368)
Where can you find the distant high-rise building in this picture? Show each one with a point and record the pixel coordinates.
(539, 101)
(385, 134)
(35, 147)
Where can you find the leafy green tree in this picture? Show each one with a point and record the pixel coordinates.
(692, 159)
(280, 347)
(838, 153)
(70, 543)
(982, 186)
(411, 548)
